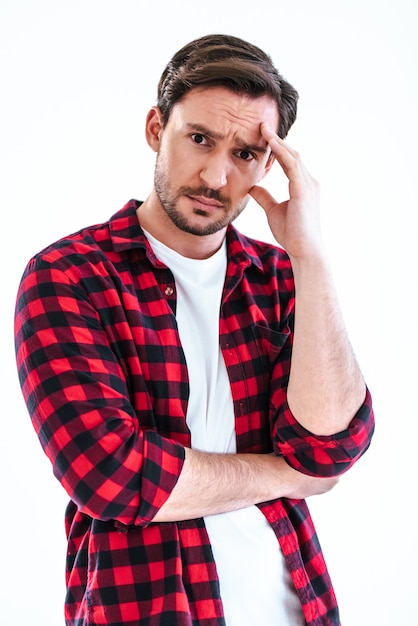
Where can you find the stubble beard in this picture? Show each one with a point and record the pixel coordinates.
(169, 202)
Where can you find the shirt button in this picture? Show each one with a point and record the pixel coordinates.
(169, 291)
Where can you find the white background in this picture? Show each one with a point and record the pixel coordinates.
(77, 78)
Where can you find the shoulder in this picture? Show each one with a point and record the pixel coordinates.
(97, 243)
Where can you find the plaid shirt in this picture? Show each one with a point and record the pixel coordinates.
(105, 381)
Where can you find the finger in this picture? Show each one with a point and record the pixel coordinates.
(262, 197)
(274, 140)
(286, 156)
(265, 199)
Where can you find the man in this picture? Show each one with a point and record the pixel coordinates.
(187, 404)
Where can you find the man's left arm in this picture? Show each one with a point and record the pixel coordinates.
(326, 389)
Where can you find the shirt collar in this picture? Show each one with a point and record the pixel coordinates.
(125, 231)
(126, 234)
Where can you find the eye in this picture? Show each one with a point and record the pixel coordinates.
(199, 139)
(246, 155)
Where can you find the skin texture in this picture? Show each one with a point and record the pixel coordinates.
(209, 155)
(212, 154)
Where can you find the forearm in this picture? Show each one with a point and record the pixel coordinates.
(210, 484)
(326, 387)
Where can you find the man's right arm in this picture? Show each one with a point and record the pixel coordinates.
(212, 483)
(112, 467)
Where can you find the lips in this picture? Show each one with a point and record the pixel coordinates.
(204, 203)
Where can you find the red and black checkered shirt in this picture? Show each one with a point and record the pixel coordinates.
(105, 380)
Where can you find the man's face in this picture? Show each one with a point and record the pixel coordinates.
(210, 154)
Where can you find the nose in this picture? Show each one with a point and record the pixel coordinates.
(214, 171)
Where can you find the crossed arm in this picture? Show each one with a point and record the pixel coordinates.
(217, 483)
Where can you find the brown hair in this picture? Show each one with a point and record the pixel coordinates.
(224, 60)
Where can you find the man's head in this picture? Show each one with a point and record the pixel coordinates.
(206, 129)
(226, 61)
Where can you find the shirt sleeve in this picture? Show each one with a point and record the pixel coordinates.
(112, 464)
(321, 456)
(315, 455)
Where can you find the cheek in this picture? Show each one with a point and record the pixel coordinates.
(247, 179)
(169, 166)
(180, 165)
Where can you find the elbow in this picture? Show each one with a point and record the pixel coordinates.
(324, 455)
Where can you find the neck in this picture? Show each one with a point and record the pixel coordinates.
(153, 218)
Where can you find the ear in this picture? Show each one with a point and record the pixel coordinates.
(153, 128)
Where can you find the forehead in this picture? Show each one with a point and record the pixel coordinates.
(225, 111)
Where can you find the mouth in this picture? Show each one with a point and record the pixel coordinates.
(205, 204)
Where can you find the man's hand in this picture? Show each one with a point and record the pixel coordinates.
(295, 222)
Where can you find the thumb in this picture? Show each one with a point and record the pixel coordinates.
(263, 197)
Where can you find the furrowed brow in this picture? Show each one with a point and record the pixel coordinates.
(198, 128)
(251, 147)
(240, 143)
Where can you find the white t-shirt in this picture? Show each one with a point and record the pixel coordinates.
(255, 585)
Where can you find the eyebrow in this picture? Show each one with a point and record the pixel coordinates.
(198, 128)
